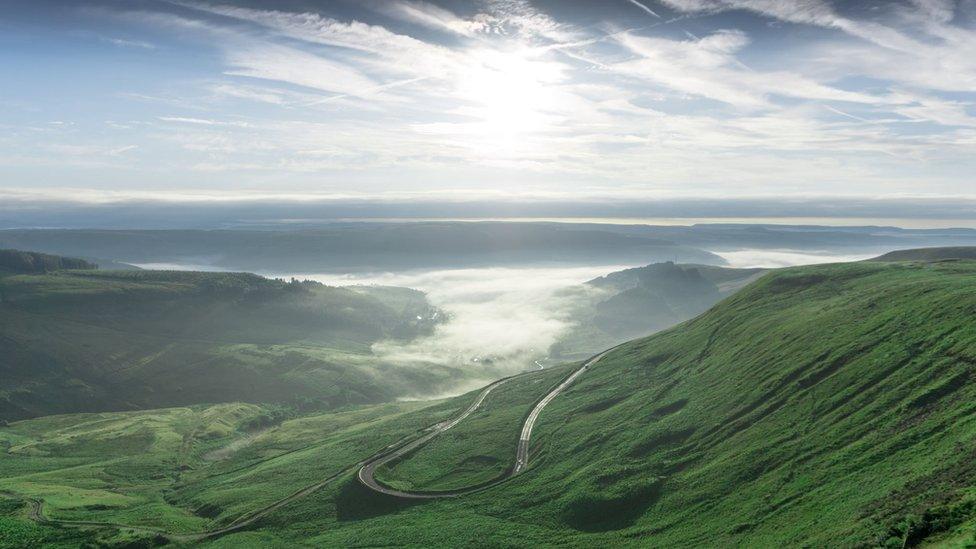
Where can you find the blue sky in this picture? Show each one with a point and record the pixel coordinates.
(486, 99)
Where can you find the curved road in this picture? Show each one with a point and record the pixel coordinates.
(367, 473)
(522, 453)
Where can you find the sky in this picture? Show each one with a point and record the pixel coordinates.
(626, 100)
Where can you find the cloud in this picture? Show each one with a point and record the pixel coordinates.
(941, 61)
(294, 66)
(434, 17)
(410, 95)
(708, 67)
(121, 42)
(186, 120)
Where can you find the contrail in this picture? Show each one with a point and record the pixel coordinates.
(367, 90)
(848, 115)
(645, 8)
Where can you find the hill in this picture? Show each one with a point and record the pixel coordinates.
(637, 302)
(344, 247)
(20, 262)
(820, 406)
(105, 340)
(930, 254)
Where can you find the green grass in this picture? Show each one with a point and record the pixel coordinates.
(827, 406)
(186, 469)
(821, 406)
(87, 341)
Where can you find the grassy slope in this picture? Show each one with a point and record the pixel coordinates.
(822, 406)
(930, 254)
(186, 469)
(93, 340)
(196, 468)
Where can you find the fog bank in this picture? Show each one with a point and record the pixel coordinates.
(500, 320)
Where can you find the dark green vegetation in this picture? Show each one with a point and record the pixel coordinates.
(20, 262)
(115, 340)
(819, 406)
(930, 254)
(636, 302)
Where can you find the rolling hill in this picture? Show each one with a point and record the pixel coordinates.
(346, 247)
(930, 254)
(819, 406)
(637, 302)
(20, 262)
(84, 340)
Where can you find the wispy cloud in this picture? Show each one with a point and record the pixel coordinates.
(121, 42)
(294, 66)
(644, 8)
(413, 94)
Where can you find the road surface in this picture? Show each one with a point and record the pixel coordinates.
(522, 452)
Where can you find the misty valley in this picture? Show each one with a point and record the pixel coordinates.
(162, 397)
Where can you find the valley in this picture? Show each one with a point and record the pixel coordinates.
(747, 420)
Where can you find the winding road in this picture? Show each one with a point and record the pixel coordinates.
(367, 472)
(367, 468)
(522, 452)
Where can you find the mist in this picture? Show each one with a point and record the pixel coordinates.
(499, 321)
(771, 259)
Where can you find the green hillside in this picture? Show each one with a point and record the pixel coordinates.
(930, 254)
(827, 406)
(20, 262)
(636, 302)
(821, 406)
(178, 470)
(115, 340)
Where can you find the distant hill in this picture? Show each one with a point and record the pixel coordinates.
(640, 301)
(364, 246)
(930, 254)
(117, 340)
(21, 262)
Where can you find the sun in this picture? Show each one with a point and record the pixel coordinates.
(508, 94)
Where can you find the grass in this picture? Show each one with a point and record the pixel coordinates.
(827, 406)
(190, 469)
(185, 469)
(821, 406)
(88, 341)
